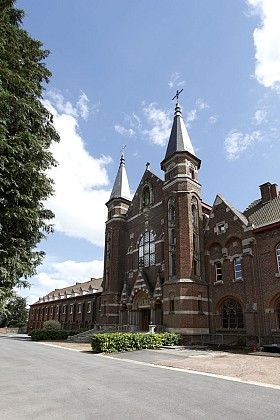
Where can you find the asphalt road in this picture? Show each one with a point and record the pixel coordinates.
(45, 382)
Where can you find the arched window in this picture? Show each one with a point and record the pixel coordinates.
(278, 256)
(232, 315)
(147, 249)
(172, 214)
(146, 196)
(196, 244)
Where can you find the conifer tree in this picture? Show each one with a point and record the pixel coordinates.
(26, 133)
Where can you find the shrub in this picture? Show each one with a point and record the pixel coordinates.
(46, 335)
(170, 339)
(51, 324)
(120, 342)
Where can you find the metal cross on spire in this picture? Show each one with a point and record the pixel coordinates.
(177, 96)
(122, 151)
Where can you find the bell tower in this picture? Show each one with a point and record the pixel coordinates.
(115, 250)
(184, 285)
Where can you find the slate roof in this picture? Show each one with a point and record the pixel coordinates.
(121, 186)
(93, 283)
(179, 140)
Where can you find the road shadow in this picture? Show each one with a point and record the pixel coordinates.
(15, 337)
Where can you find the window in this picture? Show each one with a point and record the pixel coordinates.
(171, 302)
(57, 310)
(232, 315)
(64, 309)
(172, 214)
(237, 268)
(88, 307)
(278, 257)
(221, 228)
(79, 308)
(218, 271)
(173, 265)
(146, 196)
(172, 237)
(71, 309)
(147, 249)
(278, 313)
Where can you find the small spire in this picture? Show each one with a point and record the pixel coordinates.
(147, 166)
(121, 186)
(179, 140)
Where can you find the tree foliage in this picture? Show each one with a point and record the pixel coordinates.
(26, 133)
(13, 313)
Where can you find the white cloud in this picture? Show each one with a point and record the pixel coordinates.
(213, 119)
(237, 143)
(175, 80)
(200, 104)
(260, 116)
(126, 132)
(82, 106)
(266, 39)
(191, 116)
(79, 202)
(160, 122)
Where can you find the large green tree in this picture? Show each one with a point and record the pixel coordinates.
(26, 133)
(15, 313)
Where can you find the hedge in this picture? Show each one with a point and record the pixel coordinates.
(121, 342)
(45, 335)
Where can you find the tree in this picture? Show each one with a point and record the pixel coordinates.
(15, 313)
(26, 133)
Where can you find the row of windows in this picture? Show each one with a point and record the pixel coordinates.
(56, 309)
(237, 270)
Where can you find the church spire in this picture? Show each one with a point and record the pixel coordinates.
(121, 185)
(179, 140)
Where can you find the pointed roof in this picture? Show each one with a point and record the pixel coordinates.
(121, 186)
(179, 140)
(219, 199)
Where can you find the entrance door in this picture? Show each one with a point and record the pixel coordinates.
(144, 319)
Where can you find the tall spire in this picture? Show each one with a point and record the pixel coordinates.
(179, 140)
(121, 185)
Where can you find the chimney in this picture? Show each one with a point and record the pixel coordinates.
(268, 192)
(274, 191)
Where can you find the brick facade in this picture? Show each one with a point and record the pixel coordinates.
(175, 262)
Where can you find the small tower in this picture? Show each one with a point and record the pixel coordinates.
(115, 238)
(183, 231)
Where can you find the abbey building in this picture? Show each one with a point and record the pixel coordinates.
(175, 262)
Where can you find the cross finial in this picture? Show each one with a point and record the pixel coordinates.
(122, 151)
(177, 96)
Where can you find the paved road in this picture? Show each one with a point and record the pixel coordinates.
(44, 382)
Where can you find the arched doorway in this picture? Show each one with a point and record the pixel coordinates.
(141, 307)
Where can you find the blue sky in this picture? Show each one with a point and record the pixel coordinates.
(116, 66)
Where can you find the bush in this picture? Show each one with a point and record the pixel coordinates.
(51, 325)
(120, 342)
(170, 339)
(46, 335)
